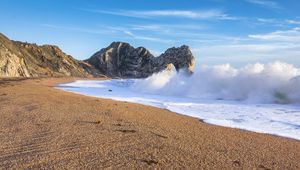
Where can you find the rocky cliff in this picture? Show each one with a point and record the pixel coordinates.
(19, 59)
(122, 60)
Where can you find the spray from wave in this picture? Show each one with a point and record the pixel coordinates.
(276, 82)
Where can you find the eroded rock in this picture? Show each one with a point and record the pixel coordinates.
(120, 59)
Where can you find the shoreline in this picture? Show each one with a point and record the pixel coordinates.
(61, 86)
(43, 127)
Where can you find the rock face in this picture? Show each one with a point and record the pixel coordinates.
(122, 60)
(180, 58)
(18, 59)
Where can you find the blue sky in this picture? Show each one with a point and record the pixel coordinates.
(218, 31)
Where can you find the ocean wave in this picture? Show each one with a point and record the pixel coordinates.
(276, 82)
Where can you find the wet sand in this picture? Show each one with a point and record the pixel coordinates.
(43, 127)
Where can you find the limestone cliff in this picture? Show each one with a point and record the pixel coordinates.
(122, 60)
(19, 59)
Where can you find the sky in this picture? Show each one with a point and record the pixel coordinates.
(237, 32)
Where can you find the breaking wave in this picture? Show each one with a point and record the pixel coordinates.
(276, 82)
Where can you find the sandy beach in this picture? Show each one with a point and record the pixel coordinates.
(44, 127)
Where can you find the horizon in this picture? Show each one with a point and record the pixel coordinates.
(216, 31)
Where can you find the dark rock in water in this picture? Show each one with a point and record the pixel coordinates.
(181, 58)
(122, 60)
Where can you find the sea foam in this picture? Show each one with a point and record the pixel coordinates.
(262, 98)
(258, 83)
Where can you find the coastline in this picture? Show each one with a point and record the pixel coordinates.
(270, 118)
(46, 127)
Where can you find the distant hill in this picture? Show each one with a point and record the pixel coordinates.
(20, 59)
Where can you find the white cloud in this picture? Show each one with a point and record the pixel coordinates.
(77, 29)
(151, 39)
(282, 45)
(274, 22)
(248, 53)
(292, 35)
(278, 22)
(168, 27)
(128, 33)
(267, 20)
(132, 35)
(265, 3)
(293, 22)
(203, 14)
(113, 31)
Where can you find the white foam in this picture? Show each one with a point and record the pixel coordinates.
(250, 95)
(271, 83)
